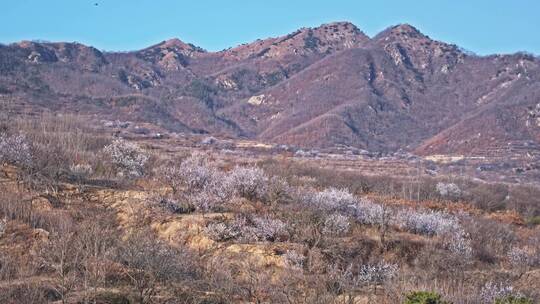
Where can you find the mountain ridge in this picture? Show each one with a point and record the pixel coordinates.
(315, 87)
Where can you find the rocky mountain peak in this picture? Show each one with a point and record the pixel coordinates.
(409, 47)
(178, 45)
(403, 33)
(323, 39)
(72, 52)
(407, 29)
(172, 54)
(342, 28)
(340, 35)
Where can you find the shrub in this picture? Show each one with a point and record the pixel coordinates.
(431, 223)
(173, 205)
(247, 229)
(56, 142)
(171, 175)
(490, 292)
(207, 200)
(424, 297)
(9, 267)
(128, 158)
(195, 173)
(332, 199)
(490, 239)
(489, 197)
(149, 263)
(81, 170)
(278, 190)
(248, 182)
(459, 243)
(29, 293)
(294, 260)
(426, 222)
(222, 231)
(368, 213)
(111, 298)
(533, 221)
(521, 258)
(526, 201)
(310, 41)
(15, 150)
(514, 300)
(377, 273)
(207, 188)
(201, 90)
(449, 190)
(266, 229)
(3, 224)
(336, 224)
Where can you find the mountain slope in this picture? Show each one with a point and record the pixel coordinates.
(316, 87)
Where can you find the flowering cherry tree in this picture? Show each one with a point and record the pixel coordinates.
(348, 280)
(522, 259)
(15, 150)
(426, 222)
(377, 273)
(206, 187)
(368, 212)
(196, 173)
(491, 292)
(248, 182)
(332, 199)
(457, 241)
(266, 229)
(336, 224)
(248, 229)
(222, 231)
(128, 158)
(448, 190)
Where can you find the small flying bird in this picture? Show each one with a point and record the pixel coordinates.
(96, 4)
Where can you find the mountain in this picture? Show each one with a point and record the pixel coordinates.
(317, 87)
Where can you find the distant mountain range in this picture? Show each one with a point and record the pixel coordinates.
(316, 87)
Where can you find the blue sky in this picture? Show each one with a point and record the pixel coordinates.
(481, 26)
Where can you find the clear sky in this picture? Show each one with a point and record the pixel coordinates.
(481, 26)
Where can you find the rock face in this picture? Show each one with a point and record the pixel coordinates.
(74, 53)
(409, 48)
(324, 39)
(170, 55)
(316, 87)
(256, 100)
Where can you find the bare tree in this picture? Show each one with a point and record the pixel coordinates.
(61, 255)
(97, 241)
(149, 263)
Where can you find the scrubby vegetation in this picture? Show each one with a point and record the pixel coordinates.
(86, 218)
(423, 297)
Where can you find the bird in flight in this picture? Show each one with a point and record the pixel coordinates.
(96, 4)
